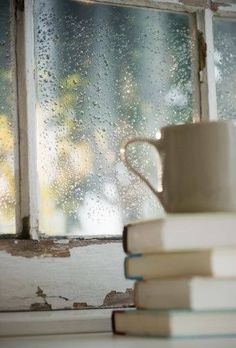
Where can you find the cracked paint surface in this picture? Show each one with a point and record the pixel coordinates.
(87, 276)
(48, 248)
(114, 299)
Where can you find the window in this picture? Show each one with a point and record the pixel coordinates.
(225, 62)
(7, 123)
(77, 78)
(104, 73)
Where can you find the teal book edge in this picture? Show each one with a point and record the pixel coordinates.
(127, 258)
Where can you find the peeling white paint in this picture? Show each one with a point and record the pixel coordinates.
(86, 276)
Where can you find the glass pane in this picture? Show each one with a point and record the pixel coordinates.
(104, 74)
(225, 63)
(7, 184)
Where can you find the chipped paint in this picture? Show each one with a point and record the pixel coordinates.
(30, 248)
(73, 243)
(119, 299)
(40, 293)
(114, 299)
(202, 49)
(82, 305)
(214, 7)
(48, 248)
(40, 307)
(87, 276)
(197, 3)
(43, 306)
(226, 5)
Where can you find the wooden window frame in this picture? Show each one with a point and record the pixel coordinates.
(80, 273)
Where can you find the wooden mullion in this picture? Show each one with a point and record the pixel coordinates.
(169, 5)
(207, 66)
(26, 217)
(195, 69)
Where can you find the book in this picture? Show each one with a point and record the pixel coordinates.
(181, 231)
(174, 323)
(211, 263)
(190, 293)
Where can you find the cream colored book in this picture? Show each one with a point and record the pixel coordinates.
(179, 232)
(210, 263)
(189, 293)
(174, 323)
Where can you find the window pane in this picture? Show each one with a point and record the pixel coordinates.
(7, 184)
(225, 63)
(104, 74)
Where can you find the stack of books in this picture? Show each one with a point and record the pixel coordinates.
(185, 272)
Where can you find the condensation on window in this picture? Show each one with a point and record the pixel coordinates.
(7, 183)
(104, 74)
(225, 72)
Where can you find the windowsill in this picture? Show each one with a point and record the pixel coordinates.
(107, 340)
(85, 328)
(55, 322)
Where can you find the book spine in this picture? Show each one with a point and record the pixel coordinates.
(126, 267)
(113, 323)
(125, 239)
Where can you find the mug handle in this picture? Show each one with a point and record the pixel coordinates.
(124, 158)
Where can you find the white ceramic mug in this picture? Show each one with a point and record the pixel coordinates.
(196, 166)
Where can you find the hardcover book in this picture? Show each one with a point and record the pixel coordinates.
(174, 323)
(189, 293)
(211, 263)
(181, 231)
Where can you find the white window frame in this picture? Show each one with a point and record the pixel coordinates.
(80, 273)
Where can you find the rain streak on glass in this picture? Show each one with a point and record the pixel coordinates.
(104, 74)
(225, 72)
(7, 183)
